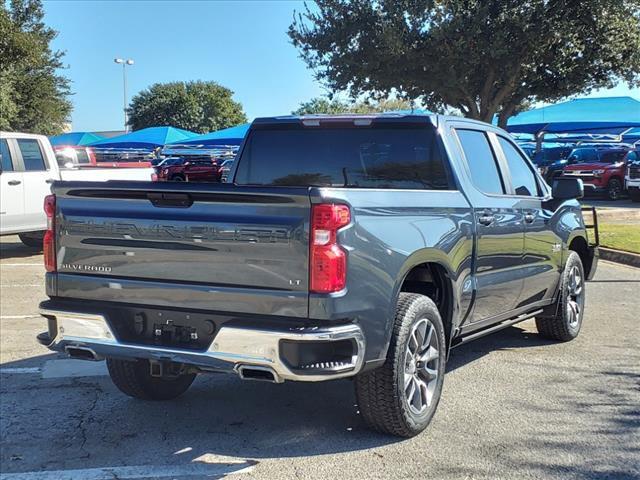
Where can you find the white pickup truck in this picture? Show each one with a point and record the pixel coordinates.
(27, 168)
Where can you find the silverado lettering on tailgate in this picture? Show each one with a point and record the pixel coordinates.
(237, 233)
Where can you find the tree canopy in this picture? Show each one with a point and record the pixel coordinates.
(197, 106)
(334, 106)
(481, 57)
(34, 97)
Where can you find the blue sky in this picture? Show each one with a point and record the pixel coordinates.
(242, 45)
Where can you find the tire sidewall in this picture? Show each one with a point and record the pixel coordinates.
(614, 182)
(572, 261)
(414, 422)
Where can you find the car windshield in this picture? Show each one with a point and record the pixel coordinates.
(614, 156)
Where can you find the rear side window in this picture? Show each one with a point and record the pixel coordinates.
(481, 161)
(345, 157)
(31, 154)
(522, 178)
(5, 157)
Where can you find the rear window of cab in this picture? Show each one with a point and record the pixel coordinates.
(374, 157)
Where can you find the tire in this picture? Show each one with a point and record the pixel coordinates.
(133, 378)
(634, 193)
(178, 178)
(565, 324)
(614, 189)
(381, 393)
(32, 239)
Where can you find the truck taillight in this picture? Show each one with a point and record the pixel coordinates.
(49, 242)
(328, 261)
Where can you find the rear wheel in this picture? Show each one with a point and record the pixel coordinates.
(614, 189)
(177, 178)
(134, 379)
(401, 397)
(565, 323)
(32, 239)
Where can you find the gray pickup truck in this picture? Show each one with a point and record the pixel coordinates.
(349, 246)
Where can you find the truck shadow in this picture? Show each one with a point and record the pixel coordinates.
(221, 415)
(510, 338)
(12, 247)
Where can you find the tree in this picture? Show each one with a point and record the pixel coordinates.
(481, 57)
(197, 106)
(33, 96)
(336, 106)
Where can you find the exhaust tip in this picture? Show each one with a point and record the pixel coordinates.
(262, 374)
(81, 353)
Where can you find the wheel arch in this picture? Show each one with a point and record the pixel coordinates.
(429, 273)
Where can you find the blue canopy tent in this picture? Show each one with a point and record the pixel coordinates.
(609, 115)
(227, 136)
(147, 138)
(75, 138)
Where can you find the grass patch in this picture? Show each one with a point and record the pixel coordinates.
(620, 236)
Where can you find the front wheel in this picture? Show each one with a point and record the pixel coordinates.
(614, 189)
(401, 397)
(565, 323)
(134, 379)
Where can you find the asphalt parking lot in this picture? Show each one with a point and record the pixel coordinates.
(514, 406)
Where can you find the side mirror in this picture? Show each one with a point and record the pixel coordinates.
(567, 188)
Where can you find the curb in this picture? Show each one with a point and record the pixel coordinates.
(618, 256)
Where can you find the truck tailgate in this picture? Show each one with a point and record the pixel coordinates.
(198, 245)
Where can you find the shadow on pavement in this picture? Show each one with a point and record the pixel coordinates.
(509, 338)
(16, 249)
(221, 415)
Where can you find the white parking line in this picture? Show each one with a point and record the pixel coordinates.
(69, 367)
(18, 317)
(21, 264)
(22, 285)
(196, 470)
(20, 370)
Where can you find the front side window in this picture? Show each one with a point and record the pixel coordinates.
(376, 157)
(481, 161)
(31, 155)
(5, 157)
(522, 177)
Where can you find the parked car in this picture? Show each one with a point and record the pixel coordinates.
(72, 156)
(189, 170)
(602, 170)
(123, 158)
(363, 247)
(633, 174)
(29, 167)
(548, 157)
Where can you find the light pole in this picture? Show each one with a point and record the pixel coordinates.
(124, 83)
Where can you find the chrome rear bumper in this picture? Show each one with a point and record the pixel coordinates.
(232, 349)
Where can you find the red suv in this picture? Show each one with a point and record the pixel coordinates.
(601, 170)
(189, 170)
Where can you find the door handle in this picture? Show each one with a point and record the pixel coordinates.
(486, 219)
(529, 217)
(14, 182)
